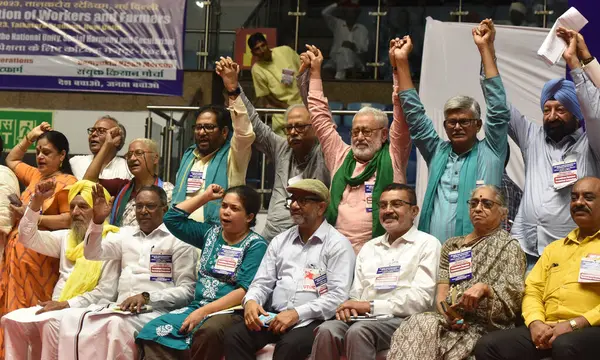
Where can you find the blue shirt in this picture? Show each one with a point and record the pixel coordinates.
(490, 156)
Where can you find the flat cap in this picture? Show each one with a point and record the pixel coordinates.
(312, 186)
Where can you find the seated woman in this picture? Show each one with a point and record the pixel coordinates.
(142, 161)
(480, 288)
(231, 254)
(27, 276)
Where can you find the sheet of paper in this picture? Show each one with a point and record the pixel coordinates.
(553, 47)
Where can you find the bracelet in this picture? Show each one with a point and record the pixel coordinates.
(588, 60)
(27, 138)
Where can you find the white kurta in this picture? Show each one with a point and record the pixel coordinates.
(22, 328)
(115, 169)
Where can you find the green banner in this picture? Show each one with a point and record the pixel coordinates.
(15, 124)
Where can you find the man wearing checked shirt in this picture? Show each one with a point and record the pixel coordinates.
(561, 306)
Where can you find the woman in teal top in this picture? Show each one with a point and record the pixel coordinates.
(231, 254)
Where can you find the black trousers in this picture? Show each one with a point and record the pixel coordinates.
(242, 343)
(516, 344)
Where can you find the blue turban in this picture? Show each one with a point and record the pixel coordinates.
(563, 91)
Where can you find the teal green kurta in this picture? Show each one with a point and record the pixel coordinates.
(211, 285)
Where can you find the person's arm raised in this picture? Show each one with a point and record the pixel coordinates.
(108, 149)
(16, 154)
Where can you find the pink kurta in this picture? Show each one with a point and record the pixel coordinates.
(353, 219)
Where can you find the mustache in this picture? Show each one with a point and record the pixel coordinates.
(390, 216)
(580, 208)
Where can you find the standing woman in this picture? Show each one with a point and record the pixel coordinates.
(231, 254)
(28, 277)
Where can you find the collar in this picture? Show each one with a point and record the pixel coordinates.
(453, 154)
(573, 237)
(573, 137)
(161, 229)
(206, 158)
(320, 234)
(411, 236)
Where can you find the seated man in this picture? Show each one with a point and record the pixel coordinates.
(81, 282)
(395, 276)
(112, 165)
(157, 275)
(562, 293)
(305, 275)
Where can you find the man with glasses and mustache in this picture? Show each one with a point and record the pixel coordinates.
(298, 156)
(362, 169)
(395, 276)
(304, 276)
(80, 284)
(142, 160)
(562, 293)
(556, 154)
(456, 166)
(220, 155)
(112, 166)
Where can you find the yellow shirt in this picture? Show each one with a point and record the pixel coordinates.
(552, 290)
(269, 78)
(239, 153)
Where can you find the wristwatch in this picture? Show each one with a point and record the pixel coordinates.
(146, 297)
(573, 324)
(235, 92)
(372, 307)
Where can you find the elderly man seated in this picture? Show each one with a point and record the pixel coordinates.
(157, 275)
(304, 276)
(562, 293)
(394, 278)
(81, 283)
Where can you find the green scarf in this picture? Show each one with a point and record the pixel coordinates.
(467, 181)
(382, 164)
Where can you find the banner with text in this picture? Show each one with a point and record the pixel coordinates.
(99, 46)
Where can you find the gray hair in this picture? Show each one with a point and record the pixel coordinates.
(292, 107)
(379, 116)
(498, 194)
(123, 130)
(462, 103)
(152, 146)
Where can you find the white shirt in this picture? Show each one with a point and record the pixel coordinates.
(358, 35)
(418, 255)
(54, 244)
(133, 248)
(281, 273)
(8, 185)
(115, 169)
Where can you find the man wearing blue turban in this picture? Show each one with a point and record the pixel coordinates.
(556, 155)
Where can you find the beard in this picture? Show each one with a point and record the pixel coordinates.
(299, 219)
(366, 153)
(78, 229)
(557, 129)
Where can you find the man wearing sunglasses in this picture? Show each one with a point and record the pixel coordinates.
(220, 155)
(458, 165)
(304, 276)
(395, 277)
(113, 166)
(298, 156)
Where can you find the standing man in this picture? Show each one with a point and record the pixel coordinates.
(113, 166)
(297, 157)
(562, 293)
(362, 170)
(556, 155)
(219, 156)
(395, 276)
(457, 166)
(304, 276)
(274, 77)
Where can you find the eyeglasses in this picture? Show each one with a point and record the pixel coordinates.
(365, 131)
(99, 130)
(487, 203)
(395, 204)
(207, 127)
(451, 123)
(300, 128)
(301, 201)
(150, 207)
(137, 153)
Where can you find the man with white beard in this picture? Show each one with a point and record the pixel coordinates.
(362, 170)
(80, 284)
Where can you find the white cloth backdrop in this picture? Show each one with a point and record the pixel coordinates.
(451, 66)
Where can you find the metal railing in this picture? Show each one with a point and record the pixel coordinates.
(167, 113)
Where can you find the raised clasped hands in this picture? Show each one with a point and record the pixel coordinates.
(228, 70)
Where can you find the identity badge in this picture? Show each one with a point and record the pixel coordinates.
(161, 267)
(387, 277)
(369, 196)
(460, 265)
(228, 259)
(564, 173)
(321, 284)
(195, 181)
